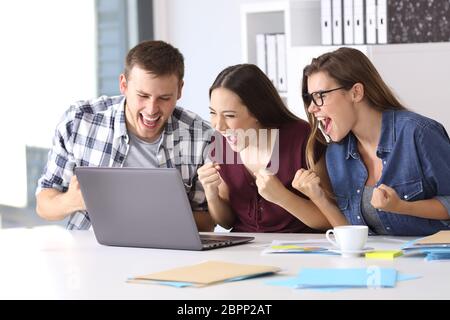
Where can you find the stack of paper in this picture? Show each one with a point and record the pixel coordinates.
(307, 246)
(339, 278)
(206, 273)
(435, 247)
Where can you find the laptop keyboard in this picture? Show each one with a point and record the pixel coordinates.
(215, 242)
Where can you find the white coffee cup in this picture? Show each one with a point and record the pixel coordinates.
(349, 239)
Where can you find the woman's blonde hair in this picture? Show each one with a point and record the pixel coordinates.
(347, 67)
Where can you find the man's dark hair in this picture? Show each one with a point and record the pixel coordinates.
(156, 57)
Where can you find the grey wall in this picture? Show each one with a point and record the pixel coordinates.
(208, 33)
(419, 74)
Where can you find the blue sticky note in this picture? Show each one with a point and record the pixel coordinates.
(329, 289)
(443, 251)
(437, 256)
(166, 283)
(353, 277)
(175, 284)
(409, 243)
(290, 282)
(404, 277)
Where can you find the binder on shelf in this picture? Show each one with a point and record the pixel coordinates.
(371, 22)
(337, 21)
(358, 21)
(382, 21)
(348, 22)
(326, 22)
(281, 62)
(271, 47)
(261, 52)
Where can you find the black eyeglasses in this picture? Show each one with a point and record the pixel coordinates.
(317, 97)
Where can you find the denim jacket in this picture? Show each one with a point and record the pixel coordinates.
(415, 153)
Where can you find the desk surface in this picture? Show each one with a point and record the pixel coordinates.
(53, 263)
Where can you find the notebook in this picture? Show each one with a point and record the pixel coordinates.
(144, 207)
(206, 273)
(439, 238)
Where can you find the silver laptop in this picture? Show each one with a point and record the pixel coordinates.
(142, 207)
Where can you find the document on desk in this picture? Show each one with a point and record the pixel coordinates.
(206, 273)
(305, 246)
(439, 240)
(441, 237)
(435, 247)
(341, 278)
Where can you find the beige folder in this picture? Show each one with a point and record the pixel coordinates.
(441, 237)
(208, 272)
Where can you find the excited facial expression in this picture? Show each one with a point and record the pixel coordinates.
(336, 115)
(232, 119)
(150, 101)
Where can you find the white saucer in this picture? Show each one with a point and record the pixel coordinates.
(353, 253)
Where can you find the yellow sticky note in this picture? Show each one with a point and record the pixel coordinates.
(384, 254)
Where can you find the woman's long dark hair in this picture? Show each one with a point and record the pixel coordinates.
(256, 92)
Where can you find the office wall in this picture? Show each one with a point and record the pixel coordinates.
(209, 35)
(47, 61)
(419, 74)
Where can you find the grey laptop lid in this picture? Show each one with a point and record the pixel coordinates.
(142, 207)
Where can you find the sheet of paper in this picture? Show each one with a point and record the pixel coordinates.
(441, 237)
(166, 283)
(307, 246)
(209, 272)
(351, 277)
(294, 283)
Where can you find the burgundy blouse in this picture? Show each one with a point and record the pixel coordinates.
(253, 212)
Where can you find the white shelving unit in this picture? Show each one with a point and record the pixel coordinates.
(298, 57)
(262, 18)
(418, 73)
(298, 20)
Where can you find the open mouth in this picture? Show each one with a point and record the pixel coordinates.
(150, 121)
(325, 127)
(325, 124)
(231, 138)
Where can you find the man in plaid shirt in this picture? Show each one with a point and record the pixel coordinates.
(141, 128)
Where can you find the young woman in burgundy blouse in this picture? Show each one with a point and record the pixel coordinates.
(260, 148)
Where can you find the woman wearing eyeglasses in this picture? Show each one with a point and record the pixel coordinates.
(389, 168)
(257, 152)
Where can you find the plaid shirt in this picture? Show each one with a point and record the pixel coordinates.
(93, 133)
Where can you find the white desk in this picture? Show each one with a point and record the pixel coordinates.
(53, 263)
